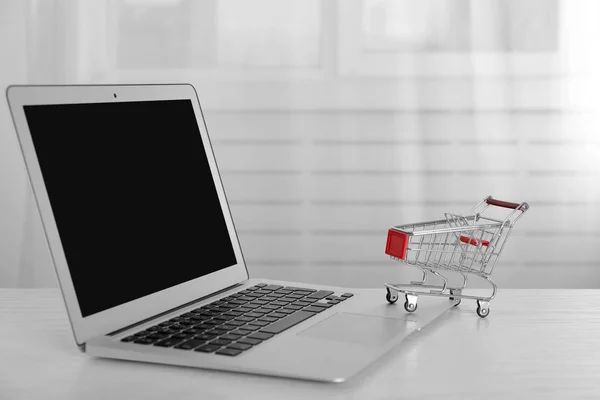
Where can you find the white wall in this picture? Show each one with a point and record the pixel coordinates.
(317, 166)
(13, 208)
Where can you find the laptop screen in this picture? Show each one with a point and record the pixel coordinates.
(133, 197)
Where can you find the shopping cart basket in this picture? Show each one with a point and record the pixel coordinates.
(464, 245)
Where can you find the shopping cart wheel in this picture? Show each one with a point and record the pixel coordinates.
(391, 297)
(483, 309)
(456, 292)
(410, 304)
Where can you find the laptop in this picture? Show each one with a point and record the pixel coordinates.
(146, 252)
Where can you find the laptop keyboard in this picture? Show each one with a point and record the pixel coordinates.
(240, 321)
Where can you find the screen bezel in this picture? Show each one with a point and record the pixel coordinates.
(145, 307)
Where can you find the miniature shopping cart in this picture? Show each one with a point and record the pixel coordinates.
(463, 245)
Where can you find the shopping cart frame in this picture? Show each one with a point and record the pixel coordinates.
(445, 244)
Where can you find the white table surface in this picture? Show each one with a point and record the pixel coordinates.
(535, 344)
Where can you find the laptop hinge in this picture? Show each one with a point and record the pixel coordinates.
(172, 310)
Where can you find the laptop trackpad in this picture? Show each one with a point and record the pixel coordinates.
(360, 329)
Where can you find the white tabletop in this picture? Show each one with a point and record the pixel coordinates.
(535, 344)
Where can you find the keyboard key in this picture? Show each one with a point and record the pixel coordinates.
(268, 319)
(245, 298)
(130, 338)
(252, 306)
(221, 342)
(271, 307)
(242, 332)
(204, 337)
(302, 293)
(223, 317)
(157, 336)
(263, 310)
(217, 331)
(227, 327)
(211, 313)
(254, 295)
(234, 313)
(190, 344)
(229, 306)
(294, 296)
(245, 319)
(187, 323)
(199, 318)
(239, 346)
(168, 342)
(261, 336)
(237, 323)
(244, 309)
(183, 336)
(203, 326)
(245, 291)
(298, 304)
(253, 315)
(347, 295)
(192, 331)
(301, 303)
(287, 300)
(262, 291)
(208, 348)
(259, 302)
(324, 305)
(333, 302)
(238, 302)
(229, 352)
(261, 284)
(145, 341)
(213, 322)
(291, 307)
(186, 315)
(286, 310)
(284, 291)
(277, 295)
(253, 288)
(251, 341)
(272, 287)
(300, 289)
(287, 322)
(314, 309)
(277, 314)
(259, 323)
(280, 303)
(268, 298)
(153, 328)
(230, 336)
(320, 294)
(250, 327)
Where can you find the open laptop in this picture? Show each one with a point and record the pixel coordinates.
(146, 252)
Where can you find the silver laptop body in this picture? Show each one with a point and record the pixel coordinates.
(144, 245)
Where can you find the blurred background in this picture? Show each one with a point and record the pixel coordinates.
(333, 120)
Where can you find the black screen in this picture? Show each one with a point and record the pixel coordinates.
(133, 197)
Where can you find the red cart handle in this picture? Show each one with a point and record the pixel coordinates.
(500, 203)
